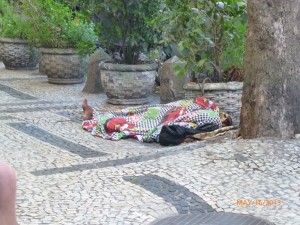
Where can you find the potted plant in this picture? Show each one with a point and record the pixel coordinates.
(125, 35)
(210, 40)
(65, 38)
(15, 52)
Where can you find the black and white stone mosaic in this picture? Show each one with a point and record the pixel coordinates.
(15, 93)
(184, 200)
(55, 140)
(110, 163)
(212, 219)
(66, 176)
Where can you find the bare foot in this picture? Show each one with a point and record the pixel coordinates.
(87, 110)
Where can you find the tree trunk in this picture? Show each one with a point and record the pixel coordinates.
(271, 93)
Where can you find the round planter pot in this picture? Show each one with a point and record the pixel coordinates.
(127, 84)
(227, 96)
(1, 51)
(17, 54)
(63, 66)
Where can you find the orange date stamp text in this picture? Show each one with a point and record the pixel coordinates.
(258, 202)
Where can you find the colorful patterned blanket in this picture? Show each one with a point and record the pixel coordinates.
(145, 123)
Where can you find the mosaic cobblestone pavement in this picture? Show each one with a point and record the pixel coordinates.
(66, 176)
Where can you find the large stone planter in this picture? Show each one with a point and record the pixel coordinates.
(127, 84)
(62, 66)
(17, 54)
(227, 96)
(1, 52)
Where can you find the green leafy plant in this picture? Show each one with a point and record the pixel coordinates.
(234, 38)
(56, 25)
(12, 25)
(209, 34)
(124, 23)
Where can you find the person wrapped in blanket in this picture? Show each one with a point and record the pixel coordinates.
(167, 124)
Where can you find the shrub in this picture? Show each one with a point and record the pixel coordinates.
(55, 25)
(125, 24)
(209, 34)
(12, 25)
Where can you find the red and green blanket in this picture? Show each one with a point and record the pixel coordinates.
(152, 122)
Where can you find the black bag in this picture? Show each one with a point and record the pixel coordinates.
(175, 134)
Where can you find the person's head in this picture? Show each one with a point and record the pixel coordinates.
(225, 119)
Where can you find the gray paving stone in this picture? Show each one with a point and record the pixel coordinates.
(212, 219)
(15, 93)
(56, 141)
(6, 117)
(113, 163)
(179, 196)
(34, 109)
